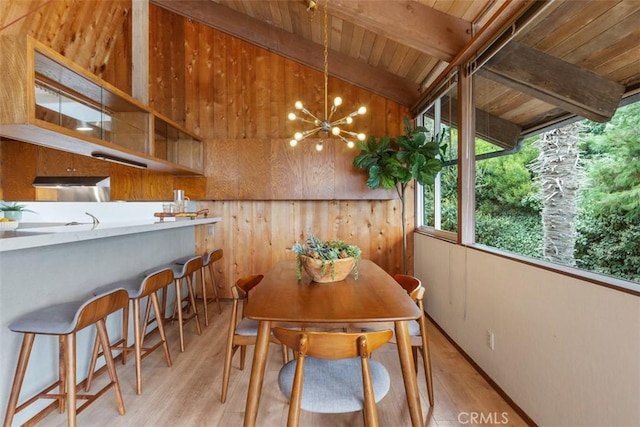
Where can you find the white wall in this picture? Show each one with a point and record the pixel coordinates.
(566, 351)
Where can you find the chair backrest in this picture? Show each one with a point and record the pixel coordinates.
(244, 284)
(158, 280)
(191, 266)
(213, 256)
(332, 345)
(100, 307)
(240, 291)
(412, 285)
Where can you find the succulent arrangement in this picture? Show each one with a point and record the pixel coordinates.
(14, 207)
(327, 252)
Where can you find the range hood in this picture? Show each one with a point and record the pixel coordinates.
(71, 181)
(73, 188)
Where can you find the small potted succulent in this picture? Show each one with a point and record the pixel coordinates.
(326, 261)
(13, 211)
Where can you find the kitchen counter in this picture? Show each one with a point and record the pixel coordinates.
(32, 237)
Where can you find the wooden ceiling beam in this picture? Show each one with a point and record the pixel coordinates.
(489, 127)
(409, 23)
(574, 89)
(353, 71)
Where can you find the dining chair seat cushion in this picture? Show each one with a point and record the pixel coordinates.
(247, 327)
(334, 386)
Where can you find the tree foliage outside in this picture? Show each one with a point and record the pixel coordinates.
(509, 200)
(609, 221)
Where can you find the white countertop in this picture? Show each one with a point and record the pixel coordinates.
(53, 235)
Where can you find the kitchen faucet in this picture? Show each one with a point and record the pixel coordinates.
(93, 218)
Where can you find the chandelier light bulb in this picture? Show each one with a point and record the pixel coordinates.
(350, 144)
(292, 116)
(298, 136)
(319, 146)
(293, 142)
(362, 137)
(362, 110)
(335, 131)
(349, 120)
(337, 101)
(299, 105)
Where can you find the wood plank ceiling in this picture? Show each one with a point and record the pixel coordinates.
(575, 57)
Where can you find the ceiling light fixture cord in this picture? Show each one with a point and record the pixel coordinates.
(326, 125)
(326, 57)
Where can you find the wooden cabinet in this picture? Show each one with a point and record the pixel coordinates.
(55, 103)
(51, 162)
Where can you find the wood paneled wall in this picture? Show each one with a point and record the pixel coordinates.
(225, 89)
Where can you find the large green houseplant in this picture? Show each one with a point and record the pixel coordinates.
(395, 162)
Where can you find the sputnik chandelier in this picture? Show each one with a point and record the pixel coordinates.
(326, 126)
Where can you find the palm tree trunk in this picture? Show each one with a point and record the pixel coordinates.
(558, 168)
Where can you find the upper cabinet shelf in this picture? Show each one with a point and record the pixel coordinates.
(53, 102)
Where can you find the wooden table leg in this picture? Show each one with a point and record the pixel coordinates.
(257, 373)
(409, 373)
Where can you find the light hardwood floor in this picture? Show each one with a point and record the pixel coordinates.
(188, 393)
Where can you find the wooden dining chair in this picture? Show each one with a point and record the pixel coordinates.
(417, 329)
(242, 330)
(333, 373)
(419, 335)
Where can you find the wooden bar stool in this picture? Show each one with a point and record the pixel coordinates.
(64, 320)
(207, 264)
(138, 289)
(182, 273)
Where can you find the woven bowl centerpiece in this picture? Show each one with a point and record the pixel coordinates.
(324, 271)
(326, 261)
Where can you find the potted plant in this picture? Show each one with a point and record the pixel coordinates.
(326, 261)
(396, 162)
(13, 211)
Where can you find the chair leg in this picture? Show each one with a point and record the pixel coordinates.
(426, 359)
(370, 411)
(179, 309)
(296, 395)
(215, 287)
(111, 366)
(228, 351)
(137, 344)
(69, 351)
(192, 300)
(243, 354)
(18, 378)
(203, 284)
(62, 378)
(92, 365)
(160, 323)
(125, 332)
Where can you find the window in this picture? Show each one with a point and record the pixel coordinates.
(569, 195)
(440, 203)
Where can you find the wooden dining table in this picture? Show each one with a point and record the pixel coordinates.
(373, 297)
